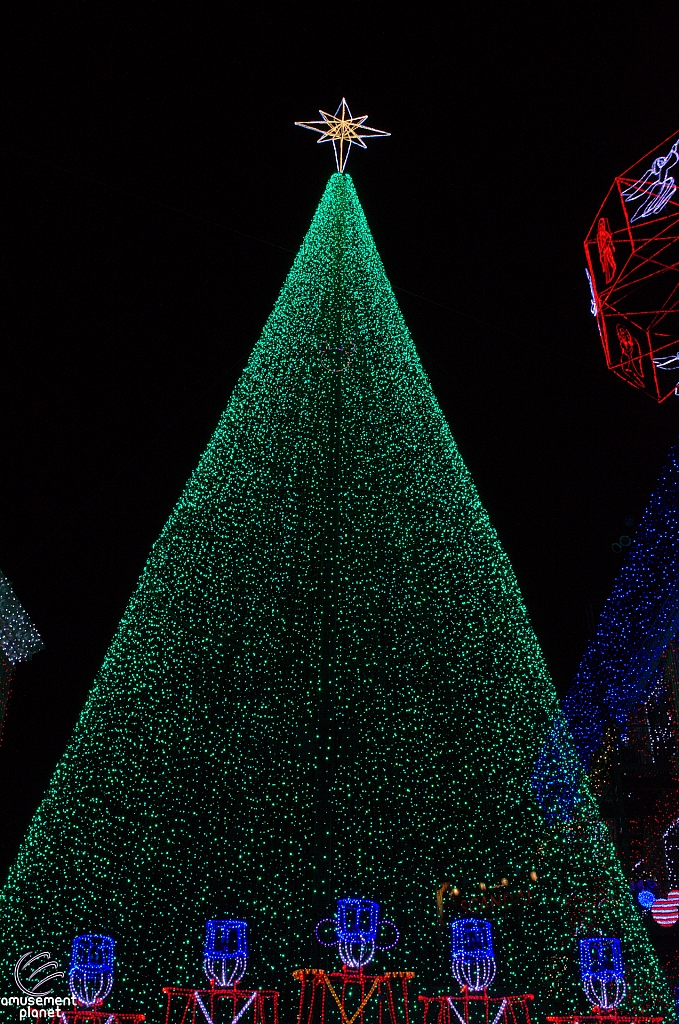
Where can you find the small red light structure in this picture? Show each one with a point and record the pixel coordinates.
(220, 1005)
(632, 254)
(351, 996)
(85, 1015)
(472, 1006)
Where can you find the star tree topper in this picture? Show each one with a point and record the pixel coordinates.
(343, 130)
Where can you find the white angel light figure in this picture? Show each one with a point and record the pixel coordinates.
(667, 362)
(657, 183)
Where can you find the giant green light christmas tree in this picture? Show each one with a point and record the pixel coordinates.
(325, 684)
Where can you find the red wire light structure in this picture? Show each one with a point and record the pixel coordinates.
(220, 1005)
(599, 1016)
(357, 997)
(476, 1008)
(632, 252)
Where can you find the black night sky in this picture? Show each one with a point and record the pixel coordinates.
(155, 191)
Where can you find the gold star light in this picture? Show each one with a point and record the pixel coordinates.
(343, 130)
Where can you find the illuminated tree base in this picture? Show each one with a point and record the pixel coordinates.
(353, 997)
(221, 1006)
(476, 1008)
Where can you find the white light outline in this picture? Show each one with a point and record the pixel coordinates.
(207, 1016)
(463, 1021)
(244, 1008)
(667, 363)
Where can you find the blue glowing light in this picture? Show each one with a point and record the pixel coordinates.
(356, 925)
(556, 776)
(357, 920)
(91, 975)
(603, 972)
(472, 955)
(638, 622)
(225, 954)
(225, 940)
(646, 898)
(601, 959)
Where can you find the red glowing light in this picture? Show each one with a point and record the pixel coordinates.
(351, 996)
(632, 254)
(90, 1016)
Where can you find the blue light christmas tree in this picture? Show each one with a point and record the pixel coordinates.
(325, 684)
(637, 623)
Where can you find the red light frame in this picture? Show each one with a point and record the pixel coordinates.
(251, 1006)
(633, 263)
(373, 998)
(499, 1009)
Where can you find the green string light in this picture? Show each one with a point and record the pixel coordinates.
(325, 684)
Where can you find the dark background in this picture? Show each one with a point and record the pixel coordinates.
(154, 192)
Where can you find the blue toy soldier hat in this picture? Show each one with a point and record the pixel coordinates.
(225, 954)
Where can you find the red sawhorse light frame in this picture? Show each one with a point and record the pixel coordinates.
(476, 1008)
(220, 1006)
(354, 996)
(599, 1016)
